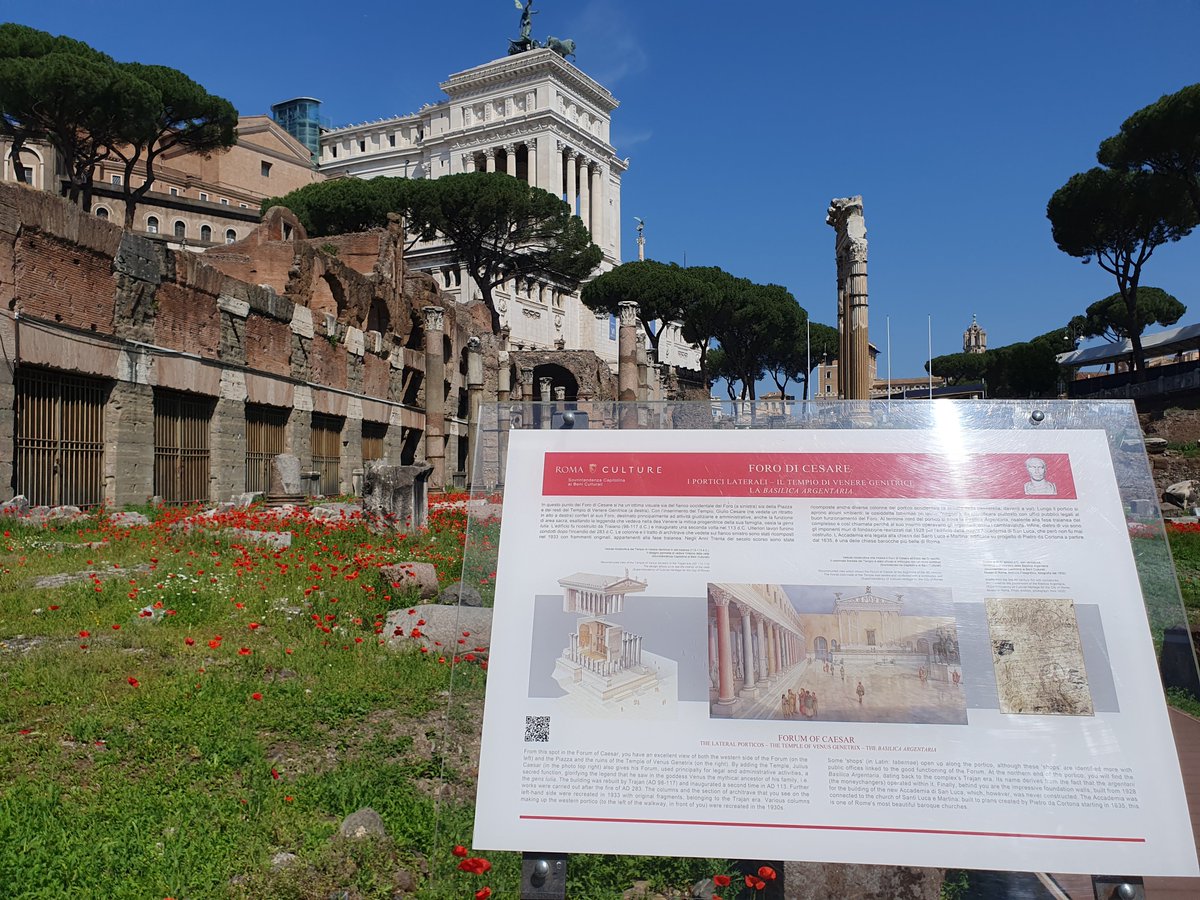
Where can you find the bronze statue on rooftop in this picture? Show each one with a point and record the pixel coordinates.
(564, 47)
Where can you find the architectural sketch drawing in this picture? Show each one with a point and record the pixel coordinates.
(604, 669)
(1038, 657)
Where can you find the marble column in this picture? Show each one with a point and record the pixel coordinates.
(557, 173)
(490, 156)
(725, 686)
(474, 400)
(859, 387)
(510, 160)
(762, 648)
(435, 396)
(531, 162)
(572, 187)
(845, 216)
(585, 193)
(748, 654)
(468, 162)
(527, 384)
(596, 219)
(627, 368)
(772, 656)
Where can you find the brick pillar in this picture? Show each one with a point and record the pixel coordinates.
(435, 396)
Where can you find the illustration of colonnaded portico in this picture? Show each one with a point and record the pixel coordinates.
(604, 669)
(820, 652)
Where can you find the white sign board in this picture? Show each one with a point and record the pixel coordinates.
(892, 647)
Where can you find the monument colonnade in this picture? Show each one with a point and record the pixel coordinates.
(767, 646)
(580, 179)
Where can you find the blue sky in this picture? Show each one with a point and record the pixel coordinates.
(955, 121)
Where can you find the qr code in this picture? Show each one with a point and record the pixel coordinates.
(537, 729)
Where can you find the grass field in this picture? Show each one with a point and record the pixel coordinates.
(191, 706)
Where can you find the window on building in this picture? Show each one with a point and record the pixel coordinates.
(174, 192)
(265, 169)
(243, 206)
(180, 229)
(101, 212)
(333, 151)
(206, 233)
(224, 202)
(116, 179)
(230, 236)
(181, 461)
(203, 196)
(391, 140)
(152, 224)
(327, 452)
(362, 146)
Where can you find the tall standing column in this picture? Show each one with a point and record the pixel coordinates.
(572, 188)
(474, 401)
(531, 162)
(627, 368)
(762, 649)
(468, 160)
(585, 193)
(725, 688)
(556, 170)
(748, 653)
(527, 384)
(490, 155)
(854, 365)
(596, 217)
(510, 160)
(435, 396)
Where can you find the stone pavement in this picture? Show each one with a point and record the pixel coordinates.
(1187, 743)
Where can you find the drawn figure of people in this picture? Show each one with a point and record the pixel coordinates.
(791, 699)
(923, 675)
(860, 690)
(1037, 485)
(843, 667)
(814, 706)
(956, 678)
(783, 705)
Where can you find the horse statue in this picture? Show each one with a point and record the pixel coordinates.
(564, 48)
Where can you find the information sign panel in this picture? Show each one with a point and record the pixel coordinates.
(907, 647)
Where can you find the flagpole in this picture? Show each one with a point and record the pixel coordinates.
(929, 336)
(888, 319)
(808, 360)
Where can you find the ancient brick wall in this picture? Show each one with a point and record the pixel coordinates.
(375, 376)
(327, 363)
(49, 270)
(187, 318)
(268, 345)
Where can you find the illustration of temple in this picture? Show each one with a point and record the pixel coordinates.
(602, 660)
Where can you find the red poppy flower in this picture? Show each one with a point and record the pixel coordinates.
(766, 872)
(253, 625)
(256, 696)
(244, 651)
(475, 865)
(214, 645)
(288, 799)
(460, 850)
(483, 893)
(721, 880)
(189, 641)
(116, 627)
(53, 608)
(133, 682)
(84, 634)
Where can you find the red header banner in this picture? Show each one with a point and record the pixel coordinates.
(980, 476)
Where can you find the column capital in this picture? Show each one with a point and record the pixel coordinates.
(572, 153)
(510, 148)
(474, 344)
(628, 312)
(434, 318)
(489, 152)
(527, 375)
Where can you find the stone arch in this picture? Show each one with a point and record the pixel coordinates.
(560, 376)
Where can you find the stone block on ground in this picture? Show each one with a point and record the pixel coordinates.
(285, 476)
(64, 512)
(394, 497)
(17, 507)
(419, 575)
(460, 592)
(1182, 494)
(128, 520)
(276, 540)
(442, 623)
(249, 498)
(337, 511)
(362, 823)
